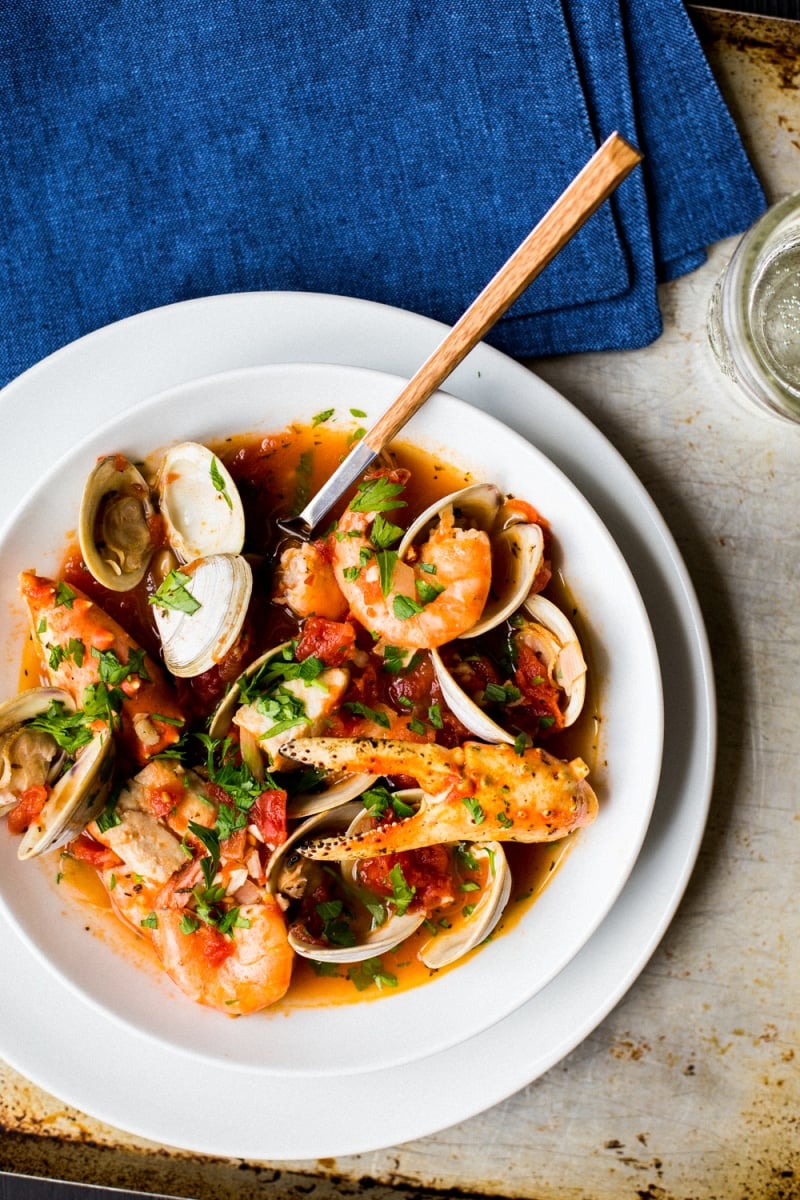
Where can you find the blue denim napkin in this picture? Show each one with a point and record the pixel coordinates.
(396, 150)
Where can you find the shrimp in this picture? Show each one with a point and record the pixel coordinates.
(238, 973)
(305, 581)
(418, 606)
(475, 792)
(81, 646)
(155, 889)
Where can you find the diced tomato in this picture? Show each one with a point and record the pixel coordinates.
(162, 799)
(414, 685)
(30, 804)
(85, 848)
(268, 814)
(233, 847)
(429, 871)
(331, 641)
(216, 946)
(539, 711)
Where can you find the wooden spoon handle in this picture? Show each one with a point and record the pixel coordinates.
(598, 179)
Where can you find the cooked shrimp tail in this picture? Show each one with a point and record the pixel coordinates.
(421, 605)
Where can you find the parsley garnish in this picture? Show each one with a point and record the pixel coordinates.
(377, 495)
(280, 666)
(383, 533)
(219, 483)
(521, 743)
(335, 924)
(322, 417)
(173, 593)
(428, 591)
(114, 672)
(402, 892)
(372, 714)
(404, 607)
(65, 594)
(386, 563)
(370, 971)
(474, 809)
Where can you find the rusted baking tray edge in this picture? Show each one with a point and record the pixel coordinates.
(40, 1139)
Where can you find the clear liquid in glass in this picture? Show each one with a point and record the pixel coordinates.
(774, 316)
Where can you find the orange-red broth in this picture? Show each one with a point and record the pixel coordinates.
(275, 476)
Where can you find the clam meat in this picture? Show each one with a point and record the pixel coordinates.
(115, 524)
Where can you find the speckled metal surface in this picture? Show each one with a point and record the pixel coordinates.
(689, 1088)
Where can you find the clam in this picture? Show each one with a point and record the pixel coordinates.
(196, 633)
(477, 917)
(554, 639)
(115, 523)
(77, 797)
(246, 704)
(464, 708)
(457, 933)
(287, 869)
(199, 503)
(517, 546)
(28, 757)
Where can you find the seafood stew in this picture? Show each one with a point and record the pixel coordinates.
(305, 752)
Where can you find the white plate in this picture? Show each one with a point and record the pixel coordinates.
(410, 1024)
(66, 396)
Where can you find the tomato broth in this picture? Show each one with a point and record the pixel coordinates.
(276, 475)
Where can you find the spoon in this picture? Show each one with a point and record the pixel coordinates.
(604, 171)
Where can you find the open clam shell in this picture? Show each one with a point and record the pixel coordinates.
(476, 919)
(77, 798)
(464, 708)
(553, 637)
(517, 546)
(115, 523)
(193, 642)
(199, 503)
(28, 756)
(380, 938)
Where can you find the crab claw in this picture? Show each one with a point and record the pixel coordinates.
(476, 792)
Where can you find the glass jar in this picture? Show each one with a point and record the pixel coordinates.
(754, 313)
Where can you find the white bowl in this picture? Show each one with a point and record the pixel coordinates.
(408, 1025)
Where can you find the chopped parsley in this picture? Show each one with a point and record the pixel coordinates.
(428, 592)
(64, 594)
(404, 607)
(280, 667)
(383, 533)
(474, 809)
(336, 928)
(219, 483)
(402, 892)
(114, 672)
(322, 417)
(174, 593)
(371, 714)
(377, 495)
(386, 564)
(497, 693)
(370, 972)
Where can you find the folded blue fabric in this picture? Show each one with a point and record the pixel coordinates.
(396, 150)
